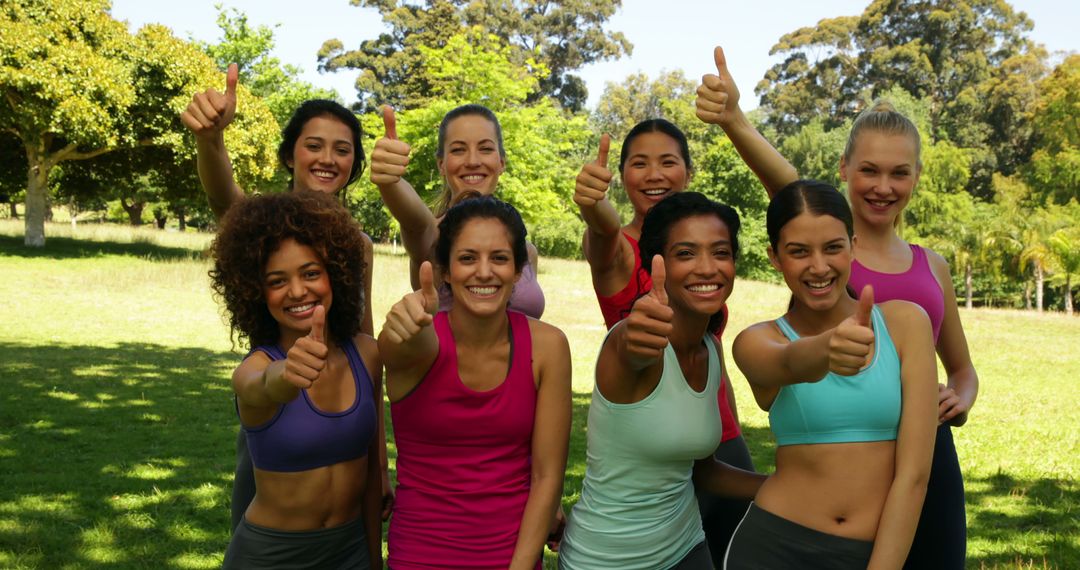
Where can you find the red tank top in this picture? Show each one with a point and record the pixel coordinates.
(617, 307)
(464, 461)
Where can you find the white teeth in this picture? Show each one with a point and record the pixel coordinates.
(472, 178)
(484, 290)
(706, 288)
(880, 203)
(300, 308)
(655, 191)
(819, 284)
(323, 173)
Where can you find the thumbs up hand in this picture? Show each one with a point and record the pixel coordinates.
(415, 311)
(853, 338)
(649, 324)
(390, 157)
(717, 96)
(307, 357)
(210, 112)
(594, 178)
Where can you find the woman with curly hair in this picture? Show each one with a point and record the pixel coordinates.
(320, 148)
(287, 267)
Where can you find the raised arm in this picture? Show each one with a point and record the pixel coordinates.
(408, 344)
(389, 160)
(915, 438)
(718, 103)
(632, 358)
(770, 361)
(207, 116)
(958, 395)
(550, 441)
(603, 241)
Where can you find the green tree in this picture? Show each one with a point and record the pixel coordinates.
(1065, 246)
(77, 85)
(970, 60)
(1055, 164)
(562, 36)
(250, 49)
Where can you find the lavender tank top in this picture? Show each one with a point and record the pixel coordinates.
(527, 298)
(917, 285)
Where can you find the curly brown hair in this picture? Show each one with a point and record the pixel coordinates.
(252, 231)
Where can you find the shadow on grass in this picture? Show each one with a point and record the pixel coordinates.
(1034, 519)
(69, 248)
(119, 457)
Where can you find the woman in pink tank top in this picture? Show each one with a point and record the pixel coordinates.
(480, 399)
(471, 157)
(880, 167)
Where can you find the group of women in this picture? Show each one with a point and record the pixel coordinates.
(479, 387)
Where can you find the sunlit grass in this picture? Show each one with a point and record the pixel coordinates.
(117, 426)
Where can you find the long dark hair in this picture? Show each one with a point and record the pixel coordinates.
(675, 208)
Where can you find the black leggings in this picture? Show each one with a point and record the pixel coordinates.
(941, 537)
(697, 559)
(720, 516)
(243, 491)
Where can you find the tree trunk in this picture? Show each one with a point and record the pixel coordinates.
(1027, 295)
(160, 219)
(134, 211)
(967, 284)
(14, 210)
(37, 184)
(180, 219)
(1039, 287)
(1068, 295)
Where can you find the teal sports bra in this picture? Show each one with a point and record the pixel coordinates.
(842, 409)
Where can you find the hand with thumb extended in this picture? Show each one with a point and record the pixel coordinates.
(307, 357)
(717, 96)
(390, 157)
(649, 324)
(593, 180)
(415, 311)
(210, 112)
(852, 339)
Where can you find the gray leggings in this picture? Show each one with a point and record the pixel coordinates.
(255, 547)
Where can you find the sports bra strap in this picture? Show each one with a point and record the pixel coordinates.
(875, 317)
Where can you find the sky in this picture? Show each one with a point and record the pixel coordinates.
(673, 34)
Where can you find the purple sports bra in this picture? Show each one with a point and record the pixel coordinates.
(527, 297)
(918, 285)
(301, 437)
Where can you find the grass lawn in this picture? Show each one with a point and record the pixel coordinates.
(117, 427)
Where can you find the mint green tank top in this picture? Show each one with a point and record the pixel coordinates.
(637, 506)
(842, 409)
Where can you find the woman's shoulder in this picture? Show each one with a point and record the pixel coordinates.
(368, 348)
(905, 317)
(544, 334)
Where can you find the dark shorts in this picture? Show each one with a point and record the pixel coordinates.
(764, 540)
(339, 548)
(941, 537)
(697, 559)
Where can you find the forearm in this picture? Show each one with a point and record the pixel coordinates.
(540, 508)
(406, 206)
(965, 383)
(216, 173)
(719, 478)
(805, 360)
(771, 168)
(601, 218)
(899, 518)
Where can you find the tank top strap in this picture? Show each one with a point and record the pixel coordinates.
(521, 349)
(364, 383)
(272, 351)
(919, 261)
(785, 328)
(881, 330)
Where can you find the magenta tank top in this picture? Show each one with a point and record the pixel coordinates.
(464, 461)
(527, 296)
(918, 285)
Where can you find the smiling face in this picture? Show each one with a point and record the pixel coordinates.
(700, 265)
(471, 158)
(881, 175)
(814, 256)
(323, 155)
(482, 271)
(654, 168)
(295, 281)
